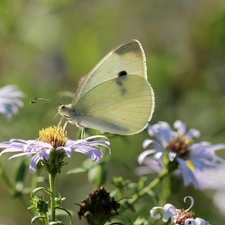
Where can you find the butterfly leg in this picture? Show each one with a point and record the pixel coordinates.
(64, 126)
(59, 124)
(82, 135)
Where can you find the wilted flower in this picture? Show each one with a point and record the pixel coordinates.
(184, 155)
(98, 207)
(52, 146)
(10, 100)
(178, 216)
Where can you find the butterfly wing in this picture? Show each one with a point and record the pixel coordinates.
(127, 58)
(122, 105)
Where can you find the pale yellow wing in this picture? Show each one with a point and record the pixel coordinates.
(122, 105)
(127, 58)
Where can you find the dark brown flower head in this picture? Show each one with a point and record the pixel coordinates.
(180, 146)
(98, 207)
(183, 215)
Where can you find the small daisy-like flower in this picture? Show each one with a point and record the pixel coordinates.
(10, 100)
(98, 207)
(52, 146)
(178, 216)
(185, 156)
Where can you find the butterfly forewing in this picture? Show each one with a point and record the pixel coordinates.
(129, 57)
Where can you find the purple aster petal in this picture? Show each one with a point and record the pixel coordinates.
(46, 153)
(34, 163)
(9, 100)
(146, 143)
(199, 146)
(156, 145)
(187, 174)
(158, 156)
(67, 150)
(201, 163)
(88, 147)
(193, 133)
(180, 126)
(172, 155)
(152, 166)
(95, 155)
(19, 155)
(214, 148)
(144, 154)
(162, 132)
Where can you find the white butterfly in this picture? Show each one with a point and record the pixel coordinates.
(115, 96)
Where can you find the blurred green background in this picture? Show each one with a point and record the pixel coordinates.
(46, 46)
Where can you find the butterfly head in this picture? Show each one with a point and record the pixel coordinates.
(65, 111)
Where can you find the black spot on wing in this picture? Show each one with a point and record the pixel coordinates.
(122, 73)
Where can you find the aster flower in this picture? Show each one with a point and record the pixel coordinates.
(52, 146)
(178, 216)
(10, 100)
(185, 157)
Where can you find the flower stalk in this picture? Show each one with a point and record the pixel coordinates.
(52, 196)
(49, 151)
(163, 174)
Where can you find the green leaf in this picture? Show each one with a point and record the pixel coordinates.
(77, 170)
(40, 189)
(35, 218)
(20, 171)
(65, 210)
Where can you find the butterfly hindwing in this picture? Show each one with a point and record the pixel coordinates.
(122, 105)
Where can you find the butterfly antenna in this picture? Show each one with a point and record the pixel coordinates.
(44, 100)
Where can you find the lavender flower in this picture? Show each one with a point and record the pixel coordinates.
(187, 157)
(10, 100)
(52, 146)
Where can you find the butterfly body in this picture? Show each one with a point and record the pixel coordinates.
(115, 96)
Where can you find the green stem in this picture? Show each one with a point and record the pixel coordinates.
(52, 189)
(149, 187)
(46, 219)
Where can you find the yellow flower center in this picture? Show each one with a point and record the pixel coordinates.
(55, 136)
